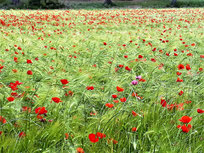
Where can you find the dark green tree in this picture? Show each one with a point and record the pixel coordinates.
(173, 2)
(109, 3)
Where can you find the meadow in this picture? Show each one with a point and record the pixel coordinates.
(102, 81)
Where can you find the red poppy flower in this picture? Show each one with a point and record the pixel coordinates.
(119, 89)
(2, 120)
(22, 134)
(40, 110)
(2, 22)
(181, 66)
(167, 54)
(64, 81)
(15, 71)
(170, 107)
(100, 135)
(185, 119)
(109, 105)
(56, 99)
(92, 113)
(188, 67)
(116, 69)
(179, 80)
(114, 96)
(15, 59)
(127, 68)
(134, 113)
(105, 43)
(140, 56)
(66, 136)
(14, 94)
(154, 49)
(90, 88)
(80, 150)
(134, 129)
(25, 108)
(153, 60)
(193, 44)
(10, 98)
(163, 103)
(29, 72)
(70, 93)
(185, 128)
(178, 73)
(142, 80)
(13, 86)
(181, 93)
(125, 56)
(200, 111)
(123, 99)
(134, 94)
(1, 67)
(93, 138)
(1, 133)
(189, 54)
(29, 61)
(121, 66)
(115, 141)
(115, 101)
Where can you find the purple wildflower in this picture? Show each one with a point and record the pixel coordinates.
(134, 82)
(139, 77)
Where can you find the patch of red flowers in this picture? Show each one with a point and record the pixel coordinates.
(188, 67)
(163, 103)
(119, 89)
(185, 119)
(179, 80)
(127, 68)
(64, 81)
(29, 61)
(134, 129)
(90, 88)
(200, 111)
(2, 120)
(10, 99)
(80, 150)
(123, 99)
(29, 72)
(181, 93)
(93, 138)
(114, 96)
(56, 99)
(109, 105)
(13, 86)
(40, 110)
(22, 134)
(181, 66)
(185, 128)
(134, 113)
(66, 136)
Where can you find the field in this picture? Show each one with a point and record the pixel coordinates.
(102, 81)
